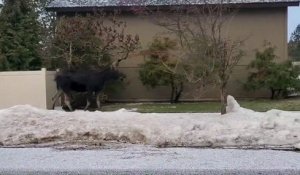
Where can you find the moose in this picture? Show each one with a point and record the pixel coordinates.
(90, 81)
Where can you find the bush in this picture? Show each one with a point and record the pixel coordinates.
(158, 68)
(277, 77)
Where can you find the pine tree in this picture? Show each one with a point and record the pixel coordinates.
(19, 36)
(294, 44)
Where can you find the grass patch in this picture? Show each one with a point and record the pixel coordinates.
(202, 107)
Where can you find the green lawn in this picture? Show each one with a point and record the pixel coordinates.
(257, 105)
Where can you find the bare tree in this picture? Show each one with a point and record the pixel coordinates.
(209, 54)
(94, 41)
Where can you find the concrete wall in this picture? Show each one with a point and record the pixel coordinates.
(35, 88)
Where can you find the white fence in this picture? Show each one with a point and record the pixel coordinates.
(35, 88)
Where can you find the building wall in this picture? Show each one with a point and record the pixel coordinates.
(34, 88)
(257, 25)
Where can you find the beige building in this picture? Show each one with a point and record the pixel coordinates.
(261, 21)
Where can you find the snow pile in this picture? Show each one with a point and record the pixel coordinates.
(240, 127)
(232, 105)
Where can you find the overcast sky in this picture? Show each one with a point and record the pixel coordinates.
(294, 18)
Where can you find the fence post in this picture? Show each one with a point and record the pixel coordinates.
(44, 80)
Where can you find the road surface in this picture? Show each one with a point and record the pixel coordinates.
(148, 160)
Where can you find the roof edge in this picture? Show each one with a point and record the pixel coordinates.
(129, 7)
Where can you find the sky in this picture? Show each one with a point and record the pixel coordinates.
(294, 19)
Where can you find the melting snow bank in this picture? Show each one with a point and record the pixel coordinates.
(240, 127)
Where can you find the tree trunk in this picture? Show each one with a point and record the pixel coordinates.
(223, 93)
(69, 61)
(172, 92)
(278, 96)
(272, 93)
(178, 92)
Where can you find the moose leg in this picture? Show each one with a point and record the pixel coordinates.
(55, 98)
(57, 95)
(68, 101)
(98, 100)
(88, 103)
(88, 100)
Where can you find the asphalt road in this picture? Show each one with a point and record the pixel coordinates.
(147, 160)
